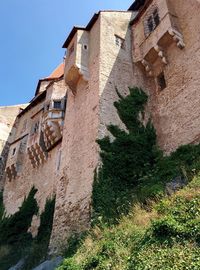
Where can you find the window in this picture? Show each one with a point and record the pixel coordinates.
(85, 47)
(47, 107)
(14, 151)
(150, 24)
(120, 42)
(153, 21)
(35, 127)
(156, 18)
(57, 104)
(161, 81)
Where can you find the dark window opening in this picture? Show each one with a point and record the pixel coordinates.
(156, 18)
(120, 42)
(150, 24)
(85, 47)
(161, 81)
(57, 104)
(47, 107)
(14, 151)
(35, 128)
(153, 21)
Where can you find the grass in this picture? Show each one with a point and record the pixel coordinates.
(132, 244)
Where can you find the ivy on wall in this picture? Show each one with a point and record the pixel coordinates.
(133, 167)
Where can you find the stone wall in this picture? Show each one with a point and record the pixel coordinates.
(79, 152)
(7, 119)
(175, 109)
(44, 175)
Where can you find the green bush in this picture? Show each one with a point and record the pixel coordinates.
(17, 241)
(39, 245)
(14, 228)
(2, 210)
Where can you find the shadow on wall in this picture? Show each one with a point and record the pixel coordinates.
(116, 68)
(8, 123)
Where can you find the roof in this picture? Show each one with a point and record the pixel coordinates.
(137, 4)
(76, 28)
(33, 103)
(56, 74)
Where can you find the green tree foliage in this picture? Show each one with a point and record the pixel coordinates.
(2, 210)
(133, 167)
(15, 240)
(14, 228)
(39, 247)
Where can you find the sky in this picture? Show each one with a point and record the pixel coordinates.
(32, 33)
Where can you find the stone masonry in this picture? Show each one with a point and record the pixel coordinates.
(154, 45)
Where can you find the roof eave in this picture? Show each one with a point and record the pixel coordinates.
(76, 28)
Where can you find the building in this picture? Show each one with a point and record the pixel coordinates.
(154, 45)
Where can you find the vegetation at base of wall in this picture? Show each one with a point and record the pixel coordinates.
(133, 167)
(136, 226)
(14, 228)
(40, 244)
(2, 210)
(16, 242)
(165, 237)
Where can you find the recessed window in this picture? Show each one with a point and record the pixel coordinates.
(161, 81)
(150, 24)
(156, 18)
(47, 107)
(35, 127)
(153, 21)
(120, 42)
(14, 151)
(57, 104)
(85, 47)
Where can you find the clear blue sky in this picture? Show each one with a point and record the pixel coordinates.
(32, 33)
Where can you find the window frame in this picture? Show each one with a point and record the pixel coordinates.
(58, 102)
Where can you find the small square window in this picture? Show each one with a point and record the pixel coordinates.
(57, 104)
(85, 47)
(161, 81)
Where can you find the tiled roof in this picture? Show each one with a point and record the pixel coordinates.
(58, 72)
